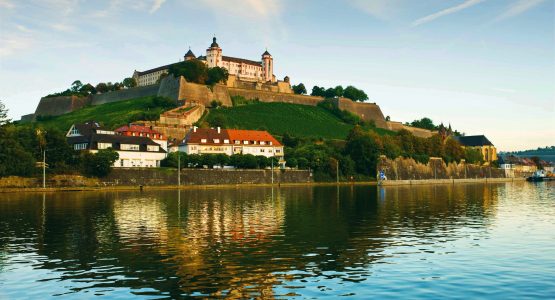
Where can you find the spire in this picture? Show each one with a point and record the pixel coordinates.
(214, 44)
(266, 53)
(189, 54)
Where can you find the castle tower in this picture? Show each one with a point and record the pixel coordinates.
(189, 55)
(267, 66)
(214, 55)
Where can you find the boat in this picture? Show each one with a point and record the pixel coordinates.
(537, 176)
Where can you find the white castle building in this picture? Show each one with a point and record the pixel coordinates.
(243, 69)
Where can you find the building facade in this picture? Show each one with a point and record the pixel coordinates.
(482, 144)
(231, 141)
(243, 69)
(134, 151)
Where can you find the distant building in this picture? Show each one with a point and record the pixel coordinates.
(243, 69)
(231, 141)
(145, 131)
(134, 151)
(481, 143)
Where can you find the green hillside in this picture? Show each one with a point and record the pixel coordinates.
(111, 115)
(279, 118)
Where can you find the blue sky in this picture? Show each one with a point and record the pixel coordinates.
(485, 66)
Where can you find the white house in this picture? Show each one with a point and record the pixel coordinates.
(231, 141)
(134, 151)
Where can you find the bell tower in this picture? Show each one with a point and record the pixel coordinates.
(214, 54)
(267, 66)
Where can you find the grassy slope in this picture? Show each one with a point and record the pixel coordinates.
(109, 114)
(278, 118)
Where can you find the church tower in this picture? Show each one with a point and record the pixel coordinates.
(214, 55)
(267, 67)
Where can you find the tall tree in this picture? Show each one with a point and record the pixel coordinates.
(3, 114)
(299, 89)
(129, 82)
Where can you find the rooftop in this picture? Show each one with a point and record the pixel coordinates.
(473, 140)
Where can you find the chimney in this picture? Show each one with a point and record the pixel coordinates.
(219, 130)
(194, 128)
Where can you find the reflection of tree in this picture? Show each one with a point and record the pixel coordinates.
(240, 242)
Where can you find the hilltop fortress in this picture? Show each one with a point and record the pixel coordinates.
(247, 78)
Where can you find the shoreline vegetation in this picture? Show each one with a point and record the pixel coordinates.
(258, 185)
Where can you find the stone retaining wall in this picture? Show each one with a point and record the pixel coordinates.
(125, 94)
(55, 106)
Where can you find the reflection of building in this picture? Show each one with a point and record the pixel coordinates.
(242, 69)
(231, 141)
(481, 143)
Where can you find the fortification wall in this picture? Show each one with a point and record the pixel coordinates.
(126, 94)
(419, 132)
(55, 106)
(202, 94)
(265, 96)
(366, 111)
(409, 169)
(169, 87)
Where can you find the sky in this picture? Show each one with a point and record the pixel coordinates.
(484, 66)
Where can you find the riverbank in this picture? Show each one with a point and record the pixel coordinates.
(448, 181)
(250, 185)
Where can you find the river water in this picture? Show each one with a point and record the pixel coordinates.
(436, 241)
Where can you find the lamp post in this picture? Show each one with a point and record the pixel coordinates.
(272, 159)
(178, 169)
(44, 169)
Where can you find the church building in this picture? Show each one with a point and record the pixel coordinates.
(243, 69)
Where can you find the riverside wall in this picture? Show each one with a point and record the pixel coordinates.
(436, 169)
(161, 177)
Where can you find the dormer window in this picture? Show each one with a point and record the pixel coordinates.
(226, 141)
(237, 142)
(246, 142)
(203, 140)
(270, 143)
(262, 143)
(216, 141)
(74, 131)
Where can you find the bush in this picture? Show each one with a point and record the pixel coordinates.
(99, 164)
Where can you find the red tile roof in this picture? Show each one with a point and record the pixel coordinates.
(137, 128)
(195, 137)
(252, 135)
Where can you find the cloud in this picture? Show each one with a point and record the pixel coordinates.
(252, 8)
(62, 27)
(504, 90)
(7, 4)
(517, 8)
(445, 12)
(13, 44)
(156, 5)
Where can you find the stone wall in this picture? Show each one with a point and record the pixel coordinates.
(265, 96)
(366, 111)
(409, 169)
(202, 94)
(55, 106)
(51, 181)
(125, 94)
(151, 177)
(419, 132)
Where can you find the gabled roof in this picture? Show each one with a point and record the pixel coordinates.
(89, 127)
(115, 140)
(190, 53)
(473, 140)
(156, 69)
(210, 134)
(252, 135)
(266, 53)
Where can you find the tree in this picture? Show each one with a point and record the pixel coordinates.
(4, 114)
(425, 123)
(14, 158)
(473, 156)
(99, 164)
(76, 86)
(363, 150)
(537, 162)
(87, 89)
(355, 94)
(318, 91)
(216, 75)
(219, 120)
(102, 87)
(299, 89)
(129, 82)
(193, 70)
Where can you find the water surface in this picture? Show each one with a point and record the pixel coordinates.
(443, 241)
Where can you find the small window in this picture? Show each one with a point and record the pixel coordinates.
(226, 141)
(203, 140)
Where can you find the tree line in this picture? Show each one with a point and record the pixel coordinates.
(349, 92)
(240, 161)
(197, 71)
(79, 89)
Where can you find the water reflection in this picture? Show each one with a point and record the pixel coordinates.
(256, 242)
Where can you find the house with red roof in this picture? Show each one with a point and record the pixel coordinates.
(144, 131)
(231, 141)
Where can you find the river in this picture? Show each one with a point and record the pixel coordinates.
(434, 241)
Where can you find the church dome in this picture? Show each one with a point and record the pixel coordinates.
(214, 44)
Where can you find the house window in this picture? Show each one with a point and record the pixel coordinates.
(81, 146)
(74, 131)
(262, 150)
(121, 163)
(104, 146)
(262, 143)
(278, 151)
(237, 142)
(129, 147)
(270, 143)
(203, 140)
(246, 142)
(216, 141)
(153, 148)
(226, 141)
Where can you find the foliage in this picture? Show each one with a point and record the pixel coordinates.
(129, 82)
(216, 75)
(349, 92)
(114, 114)
(193, 70)
(241, 161)
(3, 114)
(218, 121)
(82, 90)
(473, 156)
(99, 164)
(299, 89)
(344, 115)
(240, 100)
(424, 123)
(363, 149)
